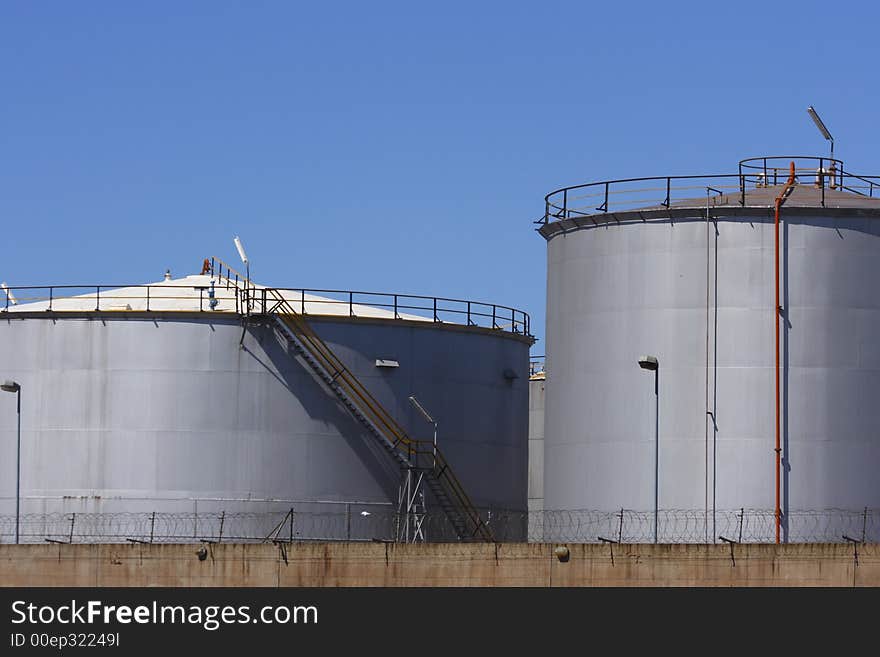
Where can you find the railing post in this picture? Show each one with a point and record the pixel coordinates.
(513, 320)
(98, 298)
(742, 186)
(494, 325)
(469, 313)
(822, 179)
(395, 307)
(435, 310)
(265, 307)
(565, 204)
(351, 304)
(302, 302)
(148, 298)
(546, 211)
(51, 289)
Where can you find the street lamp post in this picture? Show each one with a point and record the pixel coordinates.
(651, 363)
(427, 416)
(13, 386)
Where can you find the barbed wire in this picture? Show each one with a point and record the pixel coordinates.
(384, 524)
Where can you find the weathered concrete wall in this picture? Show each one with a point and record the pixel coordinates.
(377, 564)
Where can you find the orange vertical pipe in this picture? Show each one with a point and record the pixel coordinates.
(778, 454)
(777, 311)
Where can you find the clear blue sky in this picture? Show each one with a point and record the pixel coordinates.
(389, 146)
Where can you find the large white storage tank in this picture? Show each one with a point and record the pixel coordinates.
(684, 269)
(166, 412)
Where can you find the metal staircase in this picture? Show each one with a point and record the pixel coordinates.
(419, 460)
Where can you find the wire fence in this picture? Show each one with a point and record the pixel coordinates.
(383, 524)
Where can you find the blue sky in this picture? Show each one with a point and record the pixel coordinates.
(383, 146)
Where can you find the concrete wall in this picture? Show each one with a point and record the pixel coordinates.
(163, 412)
(376, 564)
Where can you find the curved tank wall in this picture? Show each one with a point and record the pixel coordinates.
(618, 290)
(167, 413)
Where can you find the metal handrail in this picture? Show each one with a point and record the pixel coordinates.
(231, 290)
(395, 434)
(753, 173)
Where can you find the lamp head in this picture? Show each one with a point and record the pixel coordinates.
(10, 386)
(649, 363)
(819, 123)
(240, 249)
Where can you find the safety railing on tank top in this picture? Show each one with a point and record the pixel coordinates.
(354, 303)
(598, 198)
(233, 293)
(115, 298)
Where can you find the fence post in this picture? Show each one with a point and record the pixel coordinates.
(620, 528)
(864, 524)
(742, 515)
(291, 525)
(348, 522)
(152, 526)
(72, 522)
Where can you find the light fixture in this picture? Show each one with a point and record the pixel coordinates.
(386, 362)
(244, 259)
(9, 295)
(819, 124)
(241, 253)
(421, 409)
(649, 363)
(10, 386)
